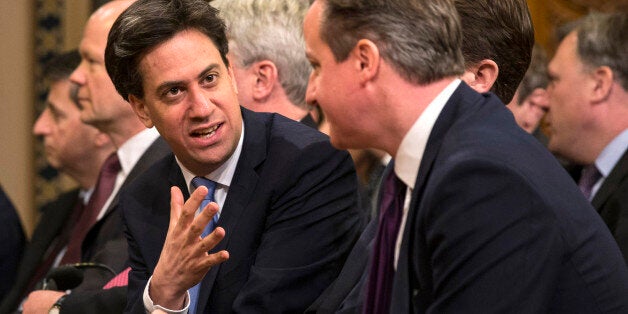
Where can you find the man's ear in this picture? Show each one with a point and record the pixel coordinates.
(366, 58)
(266, 76)
(482, 75)
(602, 83)
(141, 110)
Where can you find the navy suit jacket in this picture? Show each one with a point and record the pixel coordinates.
(611, 201)
(290, 218)
(497, 226)
(12, 239)
(105, 243)
(54, 216)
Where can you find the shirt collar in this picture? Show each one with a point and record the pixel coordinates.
(412, 147)
(224, 174)
(133, 149)
(611, 154)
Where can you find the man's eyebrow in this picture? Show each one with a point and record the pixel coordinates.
(209, 68)
(53, 108)
(170, 84)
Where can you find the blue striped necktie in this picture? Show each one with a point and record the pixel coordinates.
(211, 187)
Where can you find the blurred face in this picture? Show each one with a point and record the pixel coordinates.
(529, 113)
(101, 104)
(190, 96)
(67, 140)
(332, 87)
(569, 115)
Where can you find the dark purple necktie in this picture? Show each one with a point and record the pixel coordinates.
(590, 175)
(382, 270)
(102, 191)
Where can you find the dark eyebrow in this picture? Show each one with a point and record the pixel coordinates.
(169, 84)
(53, 108)
(209, 68)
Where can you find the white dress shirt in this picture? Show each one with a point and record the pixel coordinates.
(411, 149)
(608, 158)
(222, 176)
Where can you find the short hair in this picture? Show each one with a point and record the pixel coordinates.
(535, 77)
(270, 30)
(501, 31)
(148, 23)
(602, 41)
(59, 67)
(421, 39)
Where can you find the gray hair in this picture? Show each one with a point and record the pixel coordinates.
(421, 39)
(270, 30)
(602, 41)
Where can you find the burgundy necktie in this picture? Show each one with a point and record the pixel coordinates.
(382, 270)
(102, 191)
(590, 175)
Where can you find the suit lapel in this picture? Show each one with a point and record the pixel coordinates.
(242, 187)
(612, 183)
(408, 267)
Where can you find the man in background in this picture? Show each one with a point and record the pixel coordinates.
(588, 116)
(267, 55)
(73, 148)
(137, 148)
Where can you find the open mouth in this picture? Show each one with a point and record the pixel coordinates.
(206, 133)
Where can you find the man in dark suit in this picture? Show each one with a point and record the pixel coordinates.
(476, 216)
(73, 148)
(271, 71)
(495, 60)
(285, 200)
(588, 108)
(137, 148)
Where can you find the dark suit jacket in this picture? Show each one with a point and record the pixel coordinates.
(290, 218)
(105, 243)
(53, 217)
(12, 243)
(611, 201)
(496, 225)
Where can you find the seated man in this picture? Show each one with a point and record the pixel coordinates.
(281, 201)
(75, 149)
(271, 71)
(588, 114)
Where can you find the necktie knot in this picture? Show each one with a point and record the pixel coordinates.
(590, 176)
(111, 164)
(209, 184)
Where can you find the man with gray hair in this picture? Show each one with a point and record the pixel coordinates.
(476, 215)
(588, 116)
(266, 51)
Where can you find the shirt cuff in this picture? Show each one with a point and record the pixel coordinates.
(150, 306)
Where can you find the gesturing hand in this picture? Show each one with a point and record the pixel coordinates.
(184, 260)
